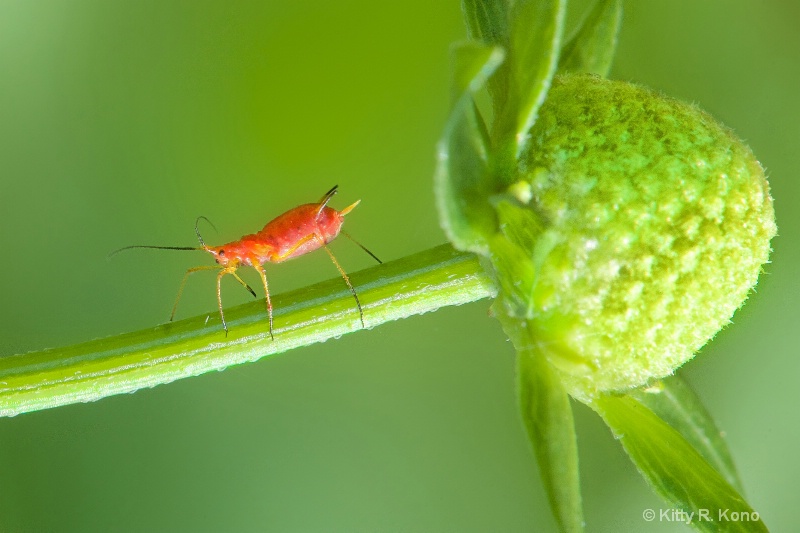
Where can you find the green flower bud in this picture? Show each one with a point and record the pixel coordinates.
(645, 225)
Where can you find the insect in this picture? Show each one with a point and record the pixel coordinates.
(296, 232)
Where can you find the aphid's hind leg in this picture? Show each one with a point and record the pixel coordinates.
(346, 280)
(361, 246)
(183, 284)
(263, 274)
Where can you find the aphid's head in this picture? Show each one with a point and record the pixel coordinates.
(224, 257)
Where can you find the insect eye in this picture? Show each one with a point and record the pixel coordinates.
(222, 252)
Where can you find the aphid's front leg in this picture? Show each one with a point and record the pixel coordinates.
(227, 270)
(263, 274)
(183, 283)
(245, 285)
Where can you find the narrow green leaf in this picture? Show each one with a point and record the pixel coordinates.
(547, 415)
(462, 181)
(675, 470)
(515, 276)
(677, 404)
(473, 63)
(512, 256)
(86, 372)
(487, 20)
(534, 45)
(591, 48)
(521, 225)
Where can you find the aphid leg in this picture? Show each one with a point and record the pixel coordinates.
(293, 249)
(245, 285)
(362, 247)
(263, 274)
(183, 284)
(228, 270)
(346, 280)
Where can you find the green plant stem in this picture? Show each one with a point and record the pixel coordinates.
(124, 363)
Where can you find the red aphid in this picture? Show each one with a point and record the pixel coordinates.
(296, 232)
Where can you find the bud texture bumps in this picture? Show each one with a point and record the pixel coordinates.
(653, 223)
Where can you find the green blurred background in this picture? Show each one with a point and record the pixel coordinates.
(120, 122)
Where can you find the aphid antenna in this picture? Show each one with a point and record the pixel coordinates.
(115, 252)
(202, 246)
(197, 231)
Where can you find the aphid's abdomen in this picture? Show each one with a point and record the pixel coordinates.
(296, 232)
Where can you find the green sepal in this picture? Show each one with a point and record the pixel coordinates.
(674, 469)
(487, 22)
(547, 415)
(462, 181)
(512, 254)
(536, 28)
(515, 276)
(677, 404)
(591, 48)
